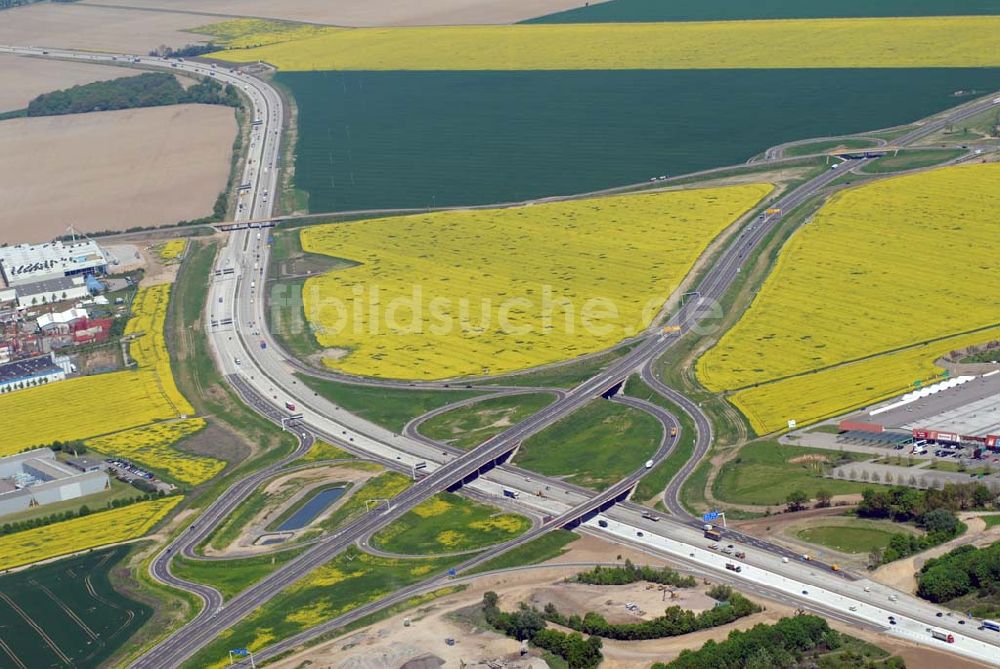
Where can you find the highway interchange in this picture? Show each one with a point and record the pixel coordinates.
(266, 379)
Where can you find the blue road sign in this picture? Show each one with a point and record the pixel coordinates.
(710, 516)
(452, 572)
(240, 651)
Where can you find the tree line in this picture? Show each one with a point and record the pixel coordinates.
(630, 573)
(526, 624)
(188, 51)
(931, 510)
(151, 89)
(675, 621)
(787, 644)
(51, 519)
(965, 570)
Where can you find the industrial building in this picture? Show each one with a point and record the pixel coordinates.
(31, 372)
(48, 291)
(36, 477)
(33, 263)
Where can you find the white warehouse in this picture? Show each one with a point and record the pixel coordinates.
(35, 477)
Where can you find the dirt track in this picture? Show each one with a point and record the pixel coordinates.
(112, 170)
(22, 79)
(366, 12)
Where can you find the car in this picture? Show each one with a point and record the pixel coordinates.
(892, 621)
(714, 547)
(805, 592)
(961, 622)
(639, 534)
(939, 614)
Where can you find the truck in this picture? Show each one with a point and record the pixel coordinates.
(943, 636)
(734, 567)
(513, 494)
(713, 534)
(290, 406)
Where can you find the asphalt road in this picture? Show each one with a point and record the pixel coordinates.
(265, 370)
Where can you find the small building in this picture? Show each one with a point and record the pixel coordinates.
(29, 372)
(85, 464)
(63, 322)
(51, 290)
(36, 477)
(32, 263)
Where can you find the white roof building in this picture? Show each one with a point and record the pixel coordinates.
(61, 318)
(32, 263)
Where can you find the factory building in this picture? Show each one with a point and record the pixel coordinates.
(33, 263)
(30, 372)
(51, 290)
(35, 478)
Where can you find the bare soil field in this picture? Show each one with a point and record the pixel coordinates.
(73, 26)
(112, 170)
(23, 78)
(364, 12)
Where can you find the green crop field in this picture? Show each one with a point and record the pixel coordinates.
(847, 539)
(766, 471)
(447, 523)
(594, 446)
(619, 11)
(467, 427)
(66, 614)
(371, 140)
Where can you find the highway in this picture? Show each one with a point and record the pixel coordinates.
(266, 378)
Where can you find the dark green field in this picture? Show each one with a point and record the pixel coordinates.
(622, 11)
(81, 618)
(371, 140)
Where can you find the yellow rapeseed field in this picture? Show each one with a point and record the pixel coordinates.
(835, 391)
(490, 291)
(151, 446)
(963, 41)
(171, 250)
(150, 349)
(249, 33)
(86, 406)
(97, 529)
(881, 267)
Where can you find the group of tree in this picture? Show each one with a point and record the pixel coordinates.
(42, 521)
(931, 510)
(151, 89)
(7, 4)
(675, 621)
(796, 500)
(526, 624)
(787, 644)
(903, 504)
(187, 51)
(965, 570)
(630, 573)
(74, 446)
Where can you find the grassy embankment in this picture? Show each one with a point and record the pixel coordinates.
(448, 523)
(595, 446)
(468, 426)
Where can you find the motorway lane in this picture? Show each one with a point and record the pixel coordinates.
(720, 277)
(712, 286)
